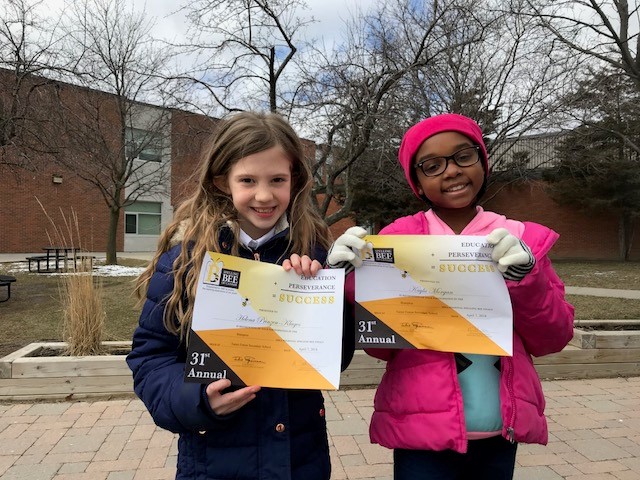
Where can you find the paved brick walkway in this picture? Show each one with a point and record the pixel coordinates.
(594, 435)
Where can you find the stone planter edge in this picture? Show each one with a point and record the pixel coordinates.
(55, 377)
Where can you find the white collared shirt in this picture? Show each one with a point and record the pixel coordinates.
(252, 244)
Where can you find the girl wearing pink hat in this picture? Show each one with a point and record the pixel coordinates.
(453, 415)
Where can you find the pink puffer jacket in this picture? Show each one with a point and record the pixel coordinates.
(418, 404)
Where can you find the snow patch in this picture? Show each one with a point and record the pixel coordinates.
(98, 270)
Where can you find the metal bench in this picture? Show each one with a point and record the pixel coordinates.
(6, 281)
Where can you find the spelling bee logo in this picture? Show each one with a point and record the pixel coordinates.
(384, 255)
(216, 274)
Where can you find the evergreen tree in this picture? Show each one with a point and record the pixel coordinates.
(599, 164)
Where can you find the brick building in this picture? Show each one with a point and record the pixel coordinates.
(175, 148)
(55, 132)
(582, 235)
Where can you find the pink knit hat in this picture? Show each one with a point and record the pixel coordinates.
(446, 122)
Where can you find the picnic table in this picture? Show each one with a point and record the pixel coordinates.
(6, 281)
(59, 255)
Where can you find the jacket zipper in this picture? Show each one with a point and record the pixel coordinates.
(512, 397)
(462, 420)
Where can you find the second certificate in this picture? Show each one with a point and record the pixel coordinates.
(432, 292)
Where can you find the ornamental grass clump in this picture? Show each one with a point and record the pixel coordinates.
(81, 294)
(82, 311)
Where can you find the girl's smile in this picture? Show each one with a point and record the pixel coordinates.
(264, 211)
(456, 188)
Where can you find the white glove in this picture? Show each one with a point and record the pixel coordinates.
(345, 251)
(513, 256)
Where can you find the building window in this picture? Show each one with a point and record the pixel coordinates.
(142, 218)
(143, 144)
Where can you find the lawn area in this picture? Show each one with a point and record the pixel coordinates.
(623, 275)
(33, 312)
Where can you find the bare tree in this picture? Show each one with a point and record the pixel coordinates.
(604, 32)
(117, 142)
(28, 52)
(405, 62)
(513, 83)
(353, 90)
(243, 49)
(382, 81)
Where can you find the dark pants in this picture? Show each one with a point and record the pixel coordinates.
(487, 459)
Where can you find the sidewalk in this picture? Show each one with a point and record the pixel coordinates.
(594, 430)
(603, 292)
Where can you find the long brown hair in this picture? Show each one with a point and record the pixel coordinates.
(199, 219)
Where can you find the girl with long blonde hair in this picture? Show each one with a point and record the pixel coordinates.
(253, 200)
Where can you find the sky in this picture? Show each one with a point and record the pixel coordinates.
(329, 14)
(171, 24)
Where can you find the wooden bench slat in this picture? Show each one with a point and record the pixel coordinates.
(38, 259)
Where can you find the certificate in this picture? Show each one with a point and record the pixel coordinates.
(256, 324)
(432, 292)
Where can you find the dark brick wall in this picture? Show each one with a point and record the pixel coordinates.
(24, 226)
(582, 235)
(189, 136)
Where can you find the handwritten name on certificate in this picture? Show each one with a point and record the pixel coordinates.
(256, 324)
(438, 292)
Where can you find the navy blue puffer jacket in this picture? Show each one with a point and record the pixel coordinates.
(280, 435)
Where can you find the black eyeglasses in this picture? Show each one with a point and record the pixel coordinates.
(465, 157)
